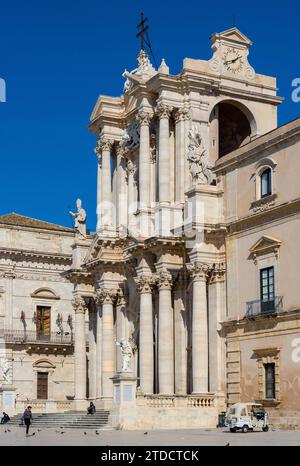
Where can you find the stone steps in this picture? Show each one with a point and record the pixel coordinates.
(79, 420)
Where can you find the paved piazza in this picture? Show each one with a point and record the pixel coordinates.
(209, 437)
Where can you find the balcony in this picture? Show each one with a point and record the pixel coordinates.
(32, 337)
(263, 308)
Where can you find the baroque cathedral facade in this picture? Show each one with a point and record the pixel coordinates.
(193, 267)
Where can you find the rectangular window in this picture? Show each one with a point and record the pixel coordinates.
(42, 385)
(267, 291)
(43, 323)
(270, 381)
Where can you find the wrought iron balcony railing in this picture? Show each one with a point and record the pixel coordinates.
(31, 336)
(262, 308)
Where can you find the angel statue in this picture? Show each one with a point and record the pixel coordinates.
(126, 351)
(198, 159)
(80, 219)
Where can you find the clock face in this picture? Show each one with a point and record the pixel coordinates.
(233, 60)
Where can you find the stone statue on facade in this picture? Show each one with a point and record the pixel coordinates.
(127, 353)
(198, 159)
(80, 219)
(6, 371)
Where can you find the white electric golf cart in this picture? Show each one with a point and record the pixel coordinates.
(247, 416)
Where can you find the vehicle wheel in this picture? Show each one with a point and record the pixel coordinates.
(266, 428)
(232, 429)
(245, 429)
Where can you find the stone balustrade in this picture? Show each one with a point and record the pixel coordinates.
(176, 401)
(43, 406)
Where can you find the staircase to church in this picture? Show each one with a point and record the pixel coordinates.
(67, 420)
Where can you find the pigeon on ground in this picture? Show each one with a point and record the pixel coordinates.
(62, 432)
(227, 445)
(33, 433)
(96, 432)
(84, 433)
(145, 433)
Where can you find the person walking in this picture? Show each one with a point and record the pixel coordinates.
(27, 416)
(4, 421)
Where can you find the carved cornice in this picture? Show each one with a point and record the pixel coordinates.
(198, 271)
(79, 304)
(145, 283)
(163, 110)
(107, 295)
(143, 117)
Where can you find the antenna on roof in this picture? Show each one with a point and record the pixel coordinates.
(143, 34)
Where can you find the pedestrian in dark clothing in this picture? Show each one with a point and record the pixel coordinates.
(27, 416)
(92, 408)
(4, 421)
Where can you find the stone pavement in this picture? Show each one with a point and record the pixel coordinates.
(155, 438)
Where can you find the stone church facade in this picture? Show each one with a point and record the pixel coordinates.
(191, 264)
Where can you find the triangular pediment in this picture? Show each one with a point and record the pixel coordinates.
(264, 245)
(232, 35)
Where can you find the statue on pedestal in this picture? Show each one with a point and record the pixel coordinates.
(126, 351)
(80, 219)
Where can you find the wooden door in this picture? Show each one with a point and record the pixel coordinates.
(42, 385)
(43, 325)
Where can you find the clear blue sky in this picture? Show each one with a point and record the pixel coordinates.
(58, 56)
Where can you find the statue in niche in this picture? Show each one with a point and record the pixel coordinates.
(127, 353)
(80, 219)
(198, 159)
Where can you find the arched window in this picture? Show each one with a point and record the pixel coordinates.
(266, 183)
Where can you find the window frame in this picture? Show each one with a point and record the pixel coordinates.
(269, 191)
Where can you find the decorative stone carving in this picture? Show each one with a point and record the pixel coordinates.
(145, 283)
(79, 304)
(198, 270)
(132, 135)
(107, 295)
(218, 272)
(132, 169)
(143, 117)
(80, 219)
(163, 110)
(198, 159)
(182, 114)
(6, 371)
(164, 280)
(126, 352)
(153, 151)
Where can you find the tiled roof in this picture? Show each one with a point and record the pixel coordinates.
(22, 221)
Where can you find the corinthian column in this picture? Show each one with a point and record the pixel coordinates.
(80, 307)
(121, 195)
(180, 336)
(164, 112)
(181, 116)
(107, 297)
(165, 335)
(98, 152)
(92, 351)
(99, 346)
(106, 181)
(144, 118)
(199, 273)
(146, 350)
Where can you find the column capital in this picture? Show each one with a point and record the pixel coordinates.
(106, 295)
(218, 272)
(145, 283)
(164, 280)
(79, 304)
(199, 271)
(163, 110)
(143, 117)
(182, 114)
(105, 143)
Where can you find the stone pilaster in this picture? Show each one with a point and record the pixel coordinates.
(216, 297)
(80, 308)
(199, 272)
(180, 336)
(146, 350)
(181, 116)
(144, 118)
(92, 372)
(165, 334)
(121, 193)
(164, 112)
(99, 346)
(107, 297)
